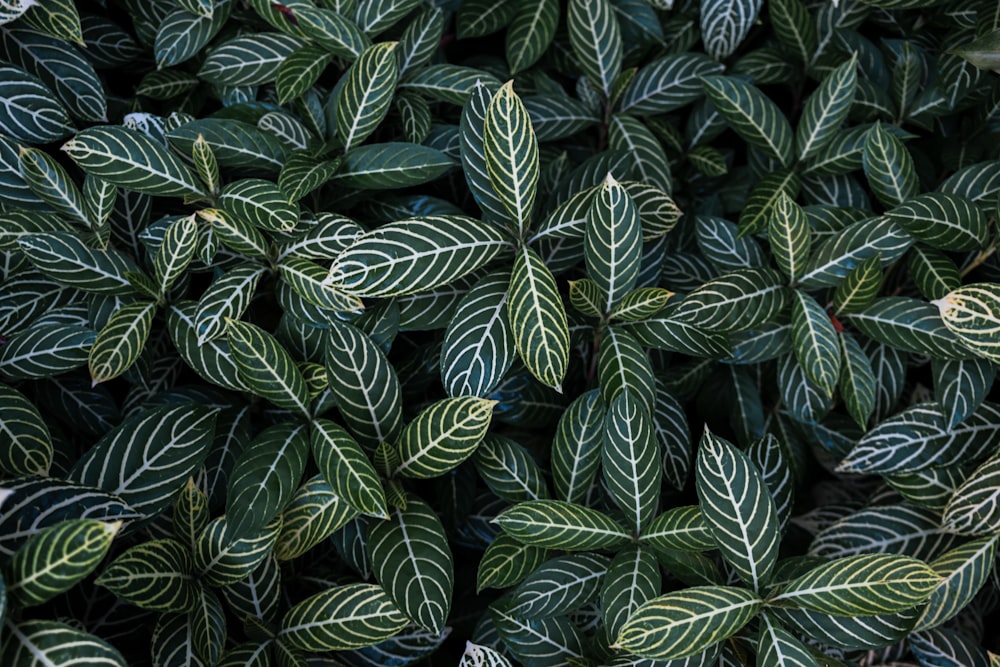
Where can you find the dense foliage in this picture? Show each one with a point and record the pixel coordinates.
(495, 332)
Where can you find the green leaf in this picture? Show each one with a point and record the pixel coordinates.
(41, 642)
(961, 386)
(478, 18)
(862, 585)
(341, 618)
(28, 449)
(756, 214)
(226, 298)
(221, 559)
(57, 558)
(889, 167)
(65, 258)
(335, 33)
(815, 342)
(182, 35)
(737, 507)
(50, 182)
(538, 319)
(478, 347)
(622, 365)
(191, 513)
(530, 31)
(180, 242)
(687, 622)
(629, 459)
(641, 304)
(307, 279)
(264, 478)
(910, 325)
(347, 469)
(736, 301)
(364, 100)
(596, 40)
(131, 160)
(679, 529)
(901, 529)
(944, 221)
(933, 272)
(576, 447)
(857, 382)
(147, 458)
(368, 390)
(725, 24)
(555, 524)
(412, 562)
(547, 642)
(668, 83)
(303, 174)
(511, 152)
(266, 366)
(46, 350)
(235, 143)
(506, 562)
(445, 82)
(34, 503)
(613, 241)
(510, 470)
(795, 28)
(558, 586)
(633, 579)
(236, 234)
(443, 435)
(260, 203)
(155, 575)
(300, 71)
(121, 341)
(826, 109)
(860, 286)
(415, 255)
(965, 570)
(973, 508)
(472, 135)
(777, 647)
(650, 161)
(391, 166)
(749, 113)
(31, 113)
(248, 60)
(313, 514)
(919, 437)
(790, 236)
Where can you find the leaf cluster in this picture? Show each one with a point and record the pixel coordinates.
(589, 333)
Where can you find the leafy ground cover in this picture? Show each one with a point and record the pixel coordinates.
(588, 333)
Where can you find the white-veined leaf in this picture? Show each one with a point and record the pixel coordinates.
(538, 319)
(412, 562)
(511, 152)
(863, 585)
(725, 23)
(595, 36)
(367, 389)
(737, 506)
(147, 458)
(131, 160)
(341, 618)
(415, 255)
(364, 100)
(687, 622)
